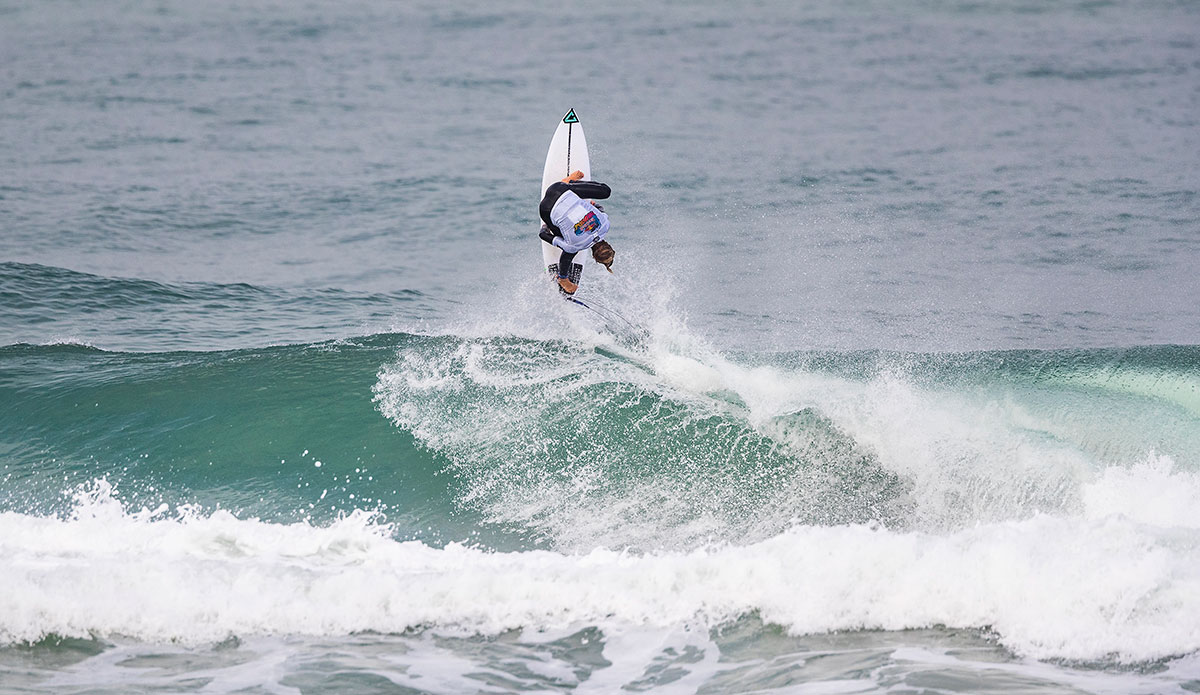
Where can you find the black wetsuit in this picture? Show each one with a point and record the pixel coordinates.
(593, 190)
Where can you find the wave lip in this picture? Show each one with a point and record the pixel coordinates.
(1048, 587)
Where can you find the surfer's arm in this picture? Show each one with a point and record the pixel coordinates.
(589, 189)
(567, 247)
(583, 189)
(551, 238)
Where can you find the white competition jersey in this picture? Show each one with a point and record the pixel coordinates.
(579, 221)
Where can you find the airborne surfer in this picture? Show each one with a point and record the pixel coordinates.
(573, 221)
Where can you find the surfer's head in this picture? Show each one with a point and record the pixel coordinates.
(603, 254)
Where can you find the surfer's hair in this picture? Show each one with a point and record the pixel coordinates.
(603, 254)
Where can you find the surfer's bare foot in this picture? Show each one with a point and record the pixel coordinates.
(567, 286)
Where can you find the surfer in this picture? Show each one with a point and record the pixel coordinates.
(572, 221)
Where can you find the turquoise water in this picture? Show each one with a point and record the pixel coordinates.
(896, 386)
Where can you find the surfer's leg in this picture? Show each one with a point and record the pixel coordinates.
(553, 192)
(565, 265)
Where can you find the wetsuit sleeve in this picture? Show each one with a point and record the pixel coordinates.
(590, 189)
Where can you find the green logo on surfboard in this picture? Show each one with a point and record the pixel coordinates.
(571, 117)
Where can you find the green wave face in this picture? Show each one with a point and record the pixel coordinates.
(281, 433)
(664, 449)
(597, 448)
(516, 443)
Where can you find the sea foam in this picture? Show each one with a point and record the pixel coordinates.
(1075, 588)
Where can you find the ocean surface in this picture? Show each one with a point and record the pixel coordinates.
(895, 387)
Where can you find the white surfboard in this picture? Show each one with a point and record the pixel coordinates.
(568, 152)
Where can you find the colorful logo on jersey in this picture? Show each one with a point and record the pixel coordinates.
(587, 225)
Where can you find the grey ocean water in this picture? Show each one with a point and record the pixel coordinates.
(931, 175)
(829, 199)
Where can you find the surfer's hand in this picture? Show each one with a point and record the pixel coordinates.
(575, 176)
